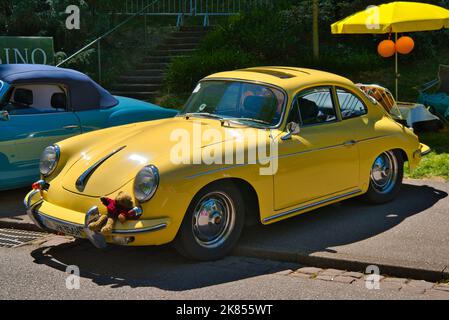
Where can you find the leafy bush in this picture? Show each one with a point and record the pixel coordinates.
(185, 72)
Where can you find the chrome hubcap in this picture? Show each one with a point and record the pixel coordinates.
(213, 219)
(384, 172)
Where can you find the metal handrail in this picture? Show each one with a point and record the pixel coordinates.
(98, 40)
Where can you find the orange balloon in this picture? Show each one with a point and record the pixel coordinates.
(386, 48)
(405, 45)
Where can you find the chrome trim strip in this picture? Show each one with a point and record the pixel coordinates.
(287, 213)
(29, 198)
(423, 154)
(143, 230)
(115, 232)
(216, 170)
(81, 182)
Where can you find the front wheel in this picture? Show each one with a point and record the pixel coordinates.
(386, 177)
(213, 223)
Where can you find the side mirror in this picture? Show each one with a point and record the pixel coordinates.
(4, 115)
(292, 129)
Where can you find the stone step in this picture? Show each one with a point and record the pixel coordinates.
(136, 87)
(190, 34)
(195, 40)
(174, 53)
(176, 46)
(157, 59)
(141, 79)
(147, 73)
(152, 66)
(194, 28)
(136, 95)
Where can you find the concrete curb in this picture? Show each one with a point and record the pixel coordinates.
(342, 264)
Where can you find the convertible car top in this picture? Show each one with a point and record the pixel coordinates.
(84, 92)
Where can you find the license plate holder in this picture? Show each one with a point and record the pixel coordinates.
(65, 228)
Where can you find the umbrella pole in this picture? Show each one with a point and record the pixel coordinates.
(396, 69)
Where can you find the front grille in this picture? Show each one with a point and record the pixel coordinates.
(10, 238)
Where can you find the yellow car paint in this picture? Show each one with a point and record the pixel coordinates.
(321, 165)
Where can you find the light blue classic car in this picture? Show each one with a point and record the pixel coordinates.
(40, 105)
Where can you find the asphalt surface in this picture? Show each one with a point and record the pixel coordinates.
(39, 272)
(408, 234)
(411, 232)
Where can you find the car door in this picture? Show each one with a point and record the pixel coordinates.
(38, 116)
(322, 160)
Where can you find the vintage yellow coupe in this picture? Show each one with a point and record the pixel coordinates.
(254, 145)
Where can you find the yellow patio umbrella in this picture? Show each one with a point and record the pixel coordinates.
(394, 17)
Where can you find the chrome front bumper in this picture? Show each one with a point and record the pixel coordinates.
(52, 224)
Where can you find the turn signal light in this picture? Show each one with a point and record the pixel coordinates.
(40, 185)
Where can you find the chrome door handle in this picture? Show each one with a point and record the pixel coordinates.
(72, 127)
(350, 143)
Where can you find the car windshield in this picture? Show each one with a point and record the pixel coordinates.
(236, 101)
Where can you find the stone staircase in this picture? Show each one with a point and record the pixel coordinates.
(146, 80)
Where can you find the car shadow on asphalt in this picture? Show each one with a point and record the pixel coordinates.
(343, 223)
(161, 267)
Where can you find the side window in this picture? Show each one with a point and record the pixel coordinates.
(350, 105)
(316, 106)
(35, 99)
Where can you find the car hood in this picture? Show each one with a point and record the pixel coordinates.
(114, 160)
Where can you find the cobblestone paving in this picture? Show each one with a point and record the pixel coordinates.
(435, 290)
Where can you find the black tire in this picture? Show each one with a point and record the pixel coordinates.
(378, 194)
(191, 242)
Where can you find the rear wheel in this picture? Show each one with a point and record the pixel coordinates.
(386, 177)
(213, 223)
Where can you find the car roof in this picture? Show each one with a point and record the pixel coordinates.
(288, 78)
(84, 92)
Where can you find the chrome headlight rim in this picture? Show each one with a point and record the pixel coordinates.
(54, 165)
(155, 171)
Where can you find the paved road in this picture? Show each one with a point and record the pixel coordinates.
(11, 202)
(411, 232)
(38, 272)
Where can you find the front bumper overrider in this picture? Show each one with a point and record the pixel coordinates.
(53, 218)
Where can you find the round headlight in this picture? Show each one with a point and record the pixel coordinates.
(49, 160)
(146, 183)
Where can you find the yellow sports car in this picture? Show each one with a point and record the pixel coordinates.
(257, 145)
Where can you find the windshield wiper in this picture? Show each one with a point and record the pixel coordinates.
(248, 119)
(201, 114)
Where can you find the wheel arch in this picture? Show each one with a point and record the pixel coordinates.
(249, 193)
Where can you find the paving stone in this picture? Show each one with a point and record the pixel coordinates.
(301, 275)
(332, 272)
(395, 280)
(442, 287)
(343, 279)
(357, 275)
(325, 278)
(420, 284)
(309, 270)
(284, 272)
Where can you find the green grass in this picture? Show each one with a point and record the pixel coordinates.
(436, 164)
